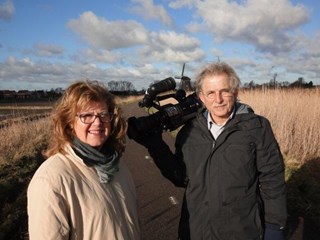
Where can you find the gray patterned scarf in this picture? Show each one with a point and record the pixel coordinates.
(106, 161)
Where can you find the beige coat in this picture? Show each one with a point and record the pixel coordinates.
(67, 201)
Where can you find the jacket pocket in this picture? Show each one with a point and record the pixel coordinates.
(238, 172)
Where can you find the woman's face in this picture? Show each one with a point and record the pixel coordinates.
(92, 125)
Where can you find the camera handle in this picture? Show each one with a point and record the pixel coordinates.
(179, 95)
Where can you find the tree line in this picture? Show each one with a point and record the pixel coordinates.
(125, 88)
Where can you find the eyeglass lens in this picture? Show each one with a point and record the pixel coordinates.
(90, 118)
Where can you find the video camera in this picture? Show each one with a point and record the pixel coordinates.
(168, 117)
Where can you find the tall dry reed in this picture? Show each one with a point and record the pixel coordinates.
(23, 139)
(127, 99)
(295, 118)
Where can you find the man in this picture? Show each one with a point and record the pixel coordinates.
(229, 161)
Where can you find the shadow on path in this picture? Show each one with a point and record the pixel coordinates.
(304, 202)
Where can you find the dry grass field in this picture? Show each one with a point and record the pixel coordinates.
(294, 115)
(295, 118)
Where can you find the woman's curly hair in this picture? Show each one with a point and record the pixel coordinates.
(76, 97)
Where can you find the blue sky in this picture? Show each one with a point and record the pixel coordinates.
(50, 44)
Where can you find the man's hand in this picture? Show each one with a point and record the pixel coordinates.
(273, 232)
(148, 139)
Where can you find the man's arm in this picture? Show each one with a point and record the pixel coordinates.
(170, 164)
(272, 183)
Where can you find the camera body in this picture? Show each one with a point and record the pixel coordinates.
(168, 117)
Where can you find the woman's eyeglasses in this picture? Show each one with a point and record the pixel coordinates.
(89, 118)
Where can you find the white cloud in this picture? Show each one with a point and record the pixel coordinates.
(312, 45)
(170, 55)
(44, 73)
(194, 27)
(173, 47)
(181, 3)
(98, 55)
(7, 10)
(25, 67)
(216, 52)
(266, 24)
(106, 36)
(148, 10)
(174, 40)
(45, 50)
(27, 73)
(101, 33)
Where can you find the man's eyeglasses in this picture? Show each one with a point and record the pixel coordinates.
(222, 93)
(89, 118)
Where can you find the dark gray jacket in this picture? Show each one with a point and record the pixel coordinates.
(233, 188)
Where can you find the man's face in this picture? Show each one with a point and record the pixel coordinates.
(218, 98)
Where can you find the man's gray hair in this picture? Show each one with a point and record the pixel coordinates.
(218, 68)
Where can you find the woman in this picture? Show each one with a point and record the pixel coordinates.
(83, 190)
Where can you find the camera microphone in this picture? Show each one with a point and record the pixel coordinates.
(162, 86)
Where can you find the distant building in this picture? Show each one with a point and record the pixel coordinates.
(7, 94)
(24, 94)
(40, 94)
